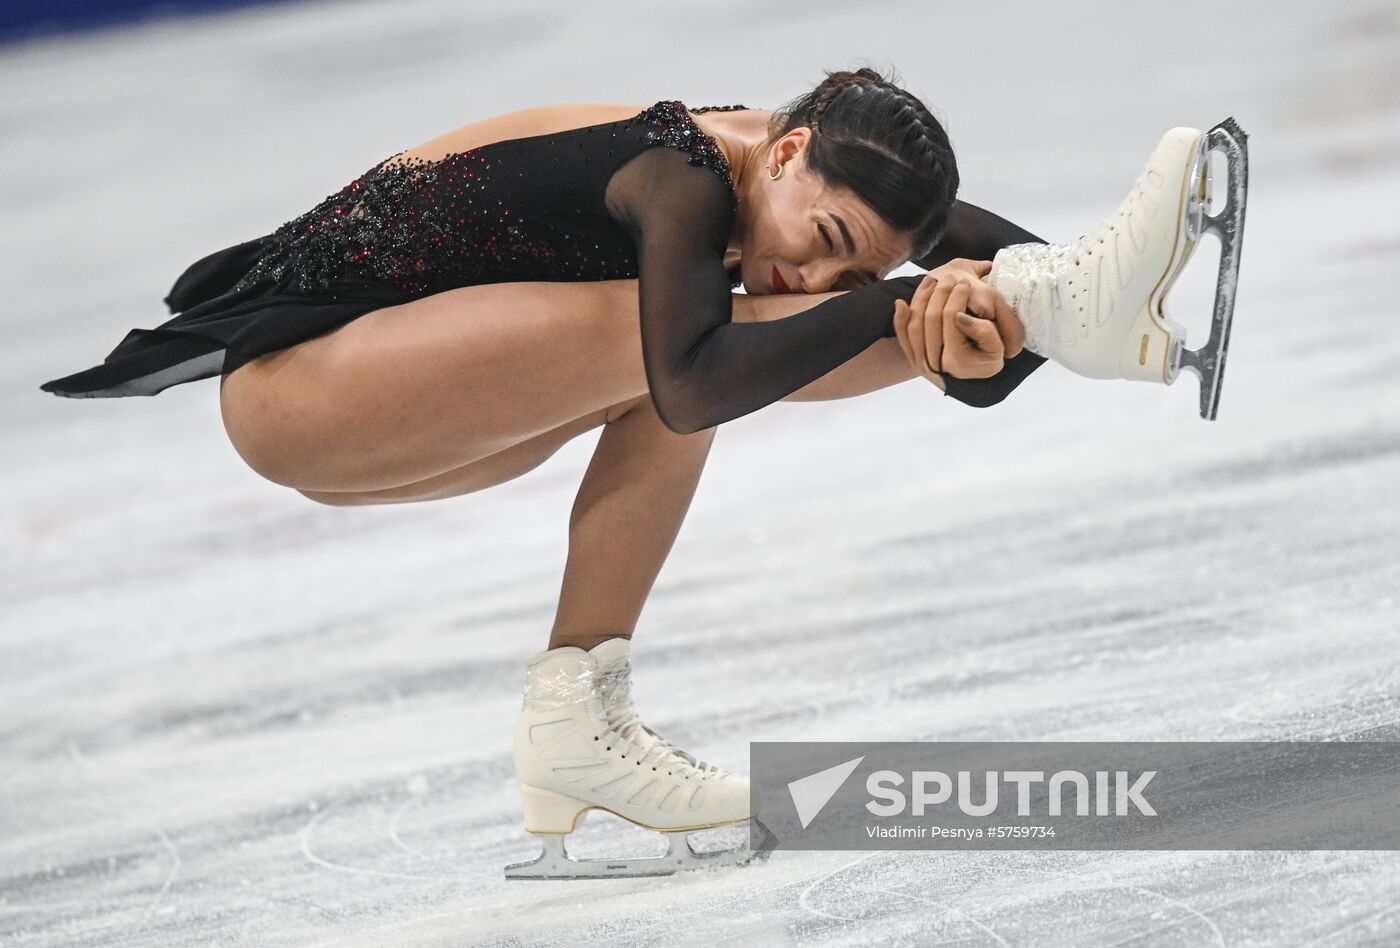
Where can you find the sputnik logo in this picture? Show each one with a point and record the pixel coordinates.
(812, 793)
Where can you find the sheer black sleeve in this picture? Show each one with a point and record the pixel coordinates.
(704, 369)
(974, 234)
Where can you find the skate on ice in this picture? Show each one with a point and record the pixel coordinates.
(580, 746)
(1097, 305)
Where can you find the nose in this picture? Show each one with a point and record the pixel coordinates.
(819, 276)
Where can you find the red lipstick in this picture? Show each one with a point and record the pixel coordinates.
(779, 284)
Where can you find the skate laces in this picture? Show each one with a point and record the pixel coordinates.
(649, 747)
(621, 719)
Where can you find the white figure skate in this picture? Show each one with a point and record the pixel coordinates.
(580, 746)
(1096, 306)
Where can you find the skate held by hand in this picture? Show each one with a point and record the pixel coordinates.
(957, 324)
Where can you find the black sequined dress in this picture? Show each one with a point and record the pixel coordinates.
(649, 198)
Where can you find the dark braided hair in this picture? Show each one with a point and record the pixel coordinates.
(882, 143)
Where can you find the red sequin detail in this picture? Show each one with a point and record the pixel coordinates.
(509, 211)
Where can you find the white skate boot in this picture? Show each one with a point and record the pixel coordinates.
(1096, 306)
(579, 745)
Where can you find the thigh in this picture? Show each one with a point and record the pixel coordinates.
(478, 475)
(413, 391)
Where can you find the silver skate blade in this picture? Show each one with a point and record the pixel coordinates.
(1208, 362)
(554, 861)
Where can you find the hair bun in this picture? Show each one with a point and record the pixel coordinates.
(840, 80)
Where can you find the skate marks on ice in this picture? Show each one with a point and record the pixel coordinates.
(811, 897)
(147, 821)
(325, 763)
(367, 817)
(112, 873)
(961, 913)
(128, 874)
(1036, 899)
(1082, 898)
(445, 872)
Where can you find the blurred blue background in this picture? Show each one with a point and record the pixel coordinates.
(27, 19)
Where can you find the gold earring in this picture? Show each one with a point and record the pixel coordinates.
(775, 177)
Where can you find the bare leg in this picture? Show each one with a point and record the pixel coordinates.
(629, 509)
(407, 395)
(636, 491)
(495, 469)
(411, 392)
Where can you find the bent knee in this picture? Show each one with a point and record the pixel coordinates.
(614, 412)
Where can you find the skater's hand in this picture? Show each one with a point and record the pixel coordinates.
(958, 324)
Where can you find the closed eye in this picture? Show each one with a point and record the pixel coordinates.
(864, 278)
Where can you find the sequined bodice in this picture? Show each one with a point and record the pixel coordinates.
(518, 210)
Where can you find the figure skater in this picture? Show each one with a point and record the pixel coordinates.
(450, 318)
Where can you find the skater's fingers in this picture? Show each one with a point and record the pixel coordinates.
(919, 306)
(955, 271)
(956, 302)
(1013, 331)
(928, 337)
(980, 356)
(955, 342)
(981, 335)
(923, 292)
(971, 347)
(914, 329)
(902, 314)
(938, 296)
(928, 341)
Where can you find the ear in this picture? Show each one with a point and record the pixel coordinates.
(791, 146)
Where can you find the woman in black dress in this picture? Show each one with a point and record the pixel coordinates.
(452, 317)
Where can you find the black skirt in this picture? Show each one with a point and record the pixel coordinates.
(218, 330)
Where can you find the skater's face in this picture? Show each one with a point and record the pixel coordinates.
(818, 237)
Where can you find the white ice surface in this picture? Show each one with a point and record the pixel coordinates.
(230, 716)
